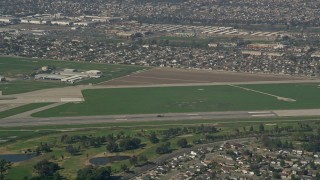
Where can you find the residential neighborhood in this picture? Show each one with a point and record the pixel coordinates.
(245, 160)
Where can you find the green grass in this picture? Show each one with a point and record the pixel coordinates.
(20, 86)
(188, 99)
(21, 109)
(21, 171)
(20, 67)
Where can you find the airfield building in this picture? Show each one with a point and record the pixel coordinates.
(2, 79)
(94, 73)
(54, 77)
(69, 75)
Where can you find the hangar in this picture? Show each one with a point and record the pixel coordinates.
(50, 77)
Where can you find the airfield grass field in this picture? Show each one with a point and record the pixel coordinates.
(21, 86)
(21, 109)
(18, 68)
(188, 99)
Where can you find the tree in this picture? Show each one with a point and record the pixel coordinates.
(4, 167)
(55, 176)
(124, 168)
(276, 175)
(142, 158)
(265, 140)
(70, 149)
(164, 148)
(43, 147)
(244, 128)
(261, 127)
(129, 144)
(91, 172)
(46, 168)
(133, 160)
(276, 129)
(183, 143)
(112, 146)
(251, 128)
(153, 138)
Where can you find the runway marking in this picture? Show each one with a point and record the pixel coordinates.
(272, 95)
(260, 112)
(193, 114)
(121, 119)
(197, 117)
(262, 115)
(120, 116)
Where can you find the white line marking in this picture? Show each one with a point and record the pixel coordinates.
(120, 116)
(193, 114)
(272, 95)
(260, 112)
(121, 119)
(262, 115)
(197, 117)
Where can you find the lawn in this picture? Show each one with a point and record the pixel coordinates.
(188, 99)
(21, 86)
(18, 68)
(21, 109)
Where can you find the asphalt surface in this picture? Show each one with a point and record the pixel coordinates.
(30, 121)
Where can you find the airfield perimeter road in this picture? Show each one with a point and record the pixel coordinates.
(30, 121)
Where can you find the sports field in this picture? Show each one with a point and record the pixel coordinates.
(18, 68)
(190, 99)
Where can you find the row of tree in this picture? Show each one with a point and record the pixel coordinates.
(123, 145)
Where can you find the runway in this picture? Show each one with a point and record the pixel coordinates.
(30, 121)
